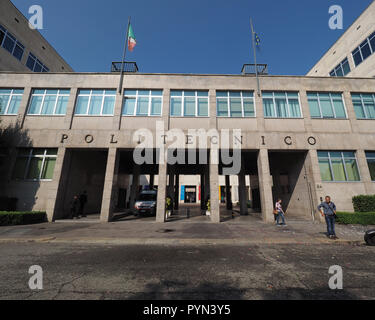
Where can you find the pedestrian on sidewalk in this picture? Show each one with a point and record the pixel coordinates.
(328, 210)
(82, 203)
(280, 213)
(74, 207)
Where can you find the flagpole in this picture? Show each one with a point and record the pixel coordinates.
(255, 55)
(123, 59)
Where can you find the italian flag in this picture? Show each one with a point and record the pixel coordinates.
(131, 38)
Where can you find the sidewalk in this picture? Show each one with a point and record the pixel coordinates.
(241, 231)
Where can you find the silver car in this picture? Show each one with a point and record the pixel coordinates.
(146, 203)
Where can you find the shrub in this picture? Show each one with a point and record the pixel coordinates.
(18, 218)
(364, 203)
(363, 218)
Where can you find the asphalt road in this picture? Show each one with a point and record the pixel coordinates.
(99, 271)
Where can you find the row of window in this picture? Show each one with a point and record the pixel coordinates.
(359, 54)
(337, 166)
(187, 103)
(17, 49)
(341, 166)
(11, 44)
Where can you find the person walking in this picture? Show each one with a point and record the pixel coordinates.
(280, 213)
(74, 207)
(82, 203)
(328, 210)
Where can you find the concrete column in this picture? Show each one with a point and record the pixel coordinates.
(364, 172)
(305, 111)
(203, 195)
(162, 188)
(110, 191)
(242, 192)
(176, 191)
(68, 120)
(53, 202)
(354, 123)
(228, 194)
(152, 179)
(117, 113)
(22, 110)
(265, 186)
(134, 186)
(314, 181)
(214, 192)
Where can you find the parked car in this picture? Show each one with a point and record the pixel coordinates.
(146, 203)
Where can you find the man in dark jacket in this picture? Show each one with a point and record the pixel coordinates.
(74, 207)
(328, 210)
(82, 203)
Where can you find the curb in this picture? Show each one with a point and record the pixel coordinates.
(175, 241)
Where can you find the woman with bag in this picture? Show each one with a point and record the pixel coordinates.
(279, 212)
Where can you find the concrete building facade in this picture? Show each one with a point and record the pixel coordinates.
(299, 140)
(24, 49)
(353, 54)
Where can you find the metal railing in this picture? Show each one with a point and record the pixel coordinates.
(128, 66)
(250, 69)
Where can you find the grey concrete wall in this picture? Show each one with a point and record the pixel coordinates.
(343, 47)
(258, 133)
(31, 39)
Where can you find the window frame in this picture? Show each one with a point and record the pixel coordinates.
(332, 105)
(182, 115)
(342, 158)
(359, 48)
(136, 96)
(29, 157)
(11, 95)
(367, 160)
(58, 94)
(365, 111)
(341, 66)
(36, 60)
(90, 95)
(287, 101)
(16, 42)
(227, 98)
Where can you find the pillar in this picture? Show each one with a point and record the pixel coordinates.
(265, 186)
(176, 191)
(214, 192)
(152, 179)
(162, 188)
(134, 186)
(228, 194)
(364, 172)
(110, 191)
(242, 192)
(203, 196)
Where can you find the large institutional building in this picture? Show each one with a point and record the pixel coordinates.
(298, 138)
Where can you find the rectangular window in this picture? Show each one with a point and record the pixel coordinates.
(11, 44)
(35, 64)
(189, 103)
(364, 105)
(338, 166)
(10, 100)
(47, 102)
(370, 156)
(235, 104)
(35, 164)
(95, 102)
(326, 105)
(281, 105)
(341, 70)
(364, 50)
(142, 103)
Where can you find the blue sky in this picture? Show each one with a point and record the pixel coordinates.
(195, 36)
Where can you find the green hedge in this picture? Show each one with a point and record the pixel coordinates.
(364, 203)
(16, 218)
(364, 218)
